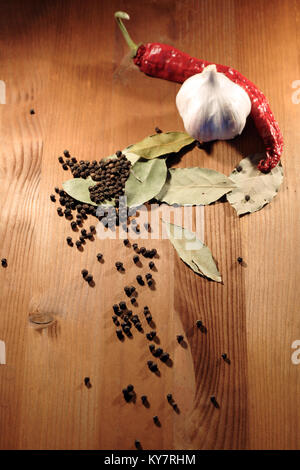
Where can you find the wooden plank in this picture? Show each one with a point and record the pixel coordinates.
(67, 60)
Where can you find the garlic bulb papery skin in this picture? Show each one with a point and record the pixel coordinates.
(212, 106)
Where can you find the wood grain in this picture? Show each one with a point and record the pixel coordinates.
(67, 60)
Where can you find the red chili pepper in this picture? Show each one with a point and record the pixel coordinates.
(163, 61)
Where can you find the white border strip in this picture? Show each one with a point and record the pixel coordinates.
(2, 353)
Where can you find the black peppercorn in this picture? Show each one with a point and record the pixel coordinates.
(136, 259)
(133, 300)
(164, 357)
(89, 278)
(214, 401)
(73, 225)
(247, 197)
(158, 130)
(52, 197)
(84, 272)
(148, 276)
(130, 388)
(137, 444)
(65, 166)
(87, 382)
(240, 260)
(140, 280)
(158, 352)
(156, 420)
(151, 265)
(153, 367)
(170, 397)
(179, 338)
(66, 153)
(122, 305)
(126, 242)
(119, 334)
(78, 243)
(4, 262)
(151, 347)
(144, 399)
(60, 159)
(69, 241)
(116, 308)
(32, 111)
(150, 282)
(99, 256)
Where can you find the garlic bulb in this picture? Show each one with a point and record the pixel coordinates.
(212, 106)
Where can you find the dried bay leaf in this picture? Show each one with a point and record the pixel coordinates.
(251, 182)
(157, 145)
(193, 252)
(138, 192)
(78, 188)
(194, 186)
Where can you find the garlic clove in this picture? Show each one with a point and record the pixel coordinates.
(212, 106)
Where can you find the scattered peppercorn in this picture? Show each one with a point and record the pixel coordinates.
(89, 278)
(32, 111)
(69, 241)
(84, 272)
(247, 197)
(158, 352)
(87, 382)
(4, 262)
(73, 225)
(156, 420)
(136, 259)
(239, 168)
(137, 444)
(144, 399)
(99, 256)
(170, 397)
(214, 401)
(179, 338)
(119, 334)
(78, 243)
(53, 198)
(126, 242)
(140, 280)
(122, 305)
(165, 357)
(133, 300)
(240, 260)
(151, 265)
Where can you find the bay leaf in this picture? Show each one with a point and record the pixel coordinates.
(193, 252)
(157, 145)
(261, 187)
(141, 169)
(194, 186)
(138, 192)
(132, 157)
(78, 188)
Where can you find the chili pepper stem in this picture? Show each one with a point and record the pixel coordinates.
(119, 15)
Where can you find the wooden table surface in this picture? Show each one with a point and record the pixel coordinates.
(67, 60)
